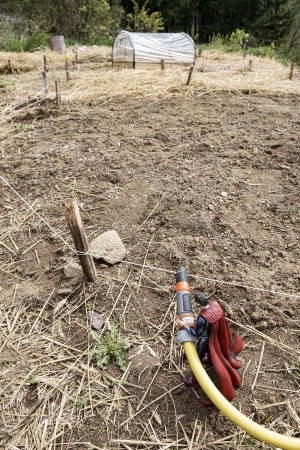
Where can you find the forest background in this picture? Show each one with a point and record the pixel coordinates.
(257, 26)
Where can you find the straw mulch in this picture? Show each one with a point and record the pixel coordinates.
(92, 77)
(12, 62)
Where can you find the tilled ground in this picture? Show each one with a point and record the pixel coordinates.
(208, 182)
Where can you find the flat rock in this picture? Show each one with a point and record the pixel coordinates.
(73, 270)
(96, 320)
(109, 247)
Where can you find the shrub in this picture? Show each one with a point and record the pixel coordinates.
(30, 44)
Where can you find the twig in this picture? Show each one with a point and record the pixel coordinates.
(148, 388)
(258, 367)
(33, 245)
(156, 206)
(144, 263)
(266, 337)
(243, 376)
(151, 403)
(137, 442)
(193, 435)
(37, 257)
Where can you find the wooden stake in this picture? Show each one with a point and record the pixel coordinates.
(190, 75)
(76, 55)
(58, 94)
(45, 64)
(199, 52)
(45, 82)
(67, 71)
(162, 64)
(292, 69)
(72, 214)
(10, 67)
(250, 63)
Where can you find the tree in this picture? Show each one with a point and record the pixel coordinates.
(84, 20)
(276, 21)
(141, 20)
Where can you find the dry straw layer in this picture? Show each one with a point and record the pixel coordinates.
(92, 76)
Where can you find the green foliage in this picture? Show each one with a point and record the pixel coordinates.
(109, 347)
(217, 41)
(238, 38)
(19, 128)
(30, 44)
(141, 20)
(32, 379)
(293, 368)
(276, 21)
(84, 21)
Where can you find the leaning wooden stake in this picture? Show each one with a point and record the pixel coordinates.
(10, 67)
(72, 214)
(67, 71)
(45, 82)
(58, 93)
(292, 69)
(45, 64)
(190, 75)
(162, 64)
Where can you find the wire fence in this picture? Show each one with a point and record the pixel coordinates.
(132, 263)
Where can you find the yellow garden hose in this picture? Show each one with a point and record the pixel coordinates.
(254, 429)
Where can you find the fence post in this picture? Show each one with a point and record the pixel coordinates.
(45, 82)
(190, 75)
(10, 67)
(72, 214)
(45, 64)
(162, 64)
(292, 69)
(58, 93)
(67, 71)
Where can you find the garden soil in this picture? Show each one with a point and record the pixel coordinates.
(209, 182)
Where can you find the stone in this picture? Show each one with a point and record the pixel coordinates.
(109, 247)
(96, 320)
(224, 194)
(73, 270)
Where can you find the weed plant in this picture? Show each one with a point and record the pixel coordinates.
(109, 347)
(239, 41)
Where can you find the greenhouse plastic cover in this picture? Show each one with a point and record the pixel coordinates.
(154, 47)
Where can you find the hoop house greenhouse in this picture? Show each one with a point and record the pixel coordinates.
(141, 50)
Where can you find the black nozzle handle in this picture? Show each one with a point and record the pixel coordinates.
(181, 275)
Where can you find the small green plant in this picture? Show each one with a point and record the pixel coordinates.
(89, 306)
(32, 379)
(217, 41)
(293, 369)
(236, 38)
(109, 347)
(21, 128)
(250, 442)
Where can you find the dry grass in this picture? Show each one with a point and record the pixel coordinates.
(94, 78)
(28, 62)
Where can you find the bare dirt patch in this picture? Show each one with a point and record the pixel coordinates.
(210, 182)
